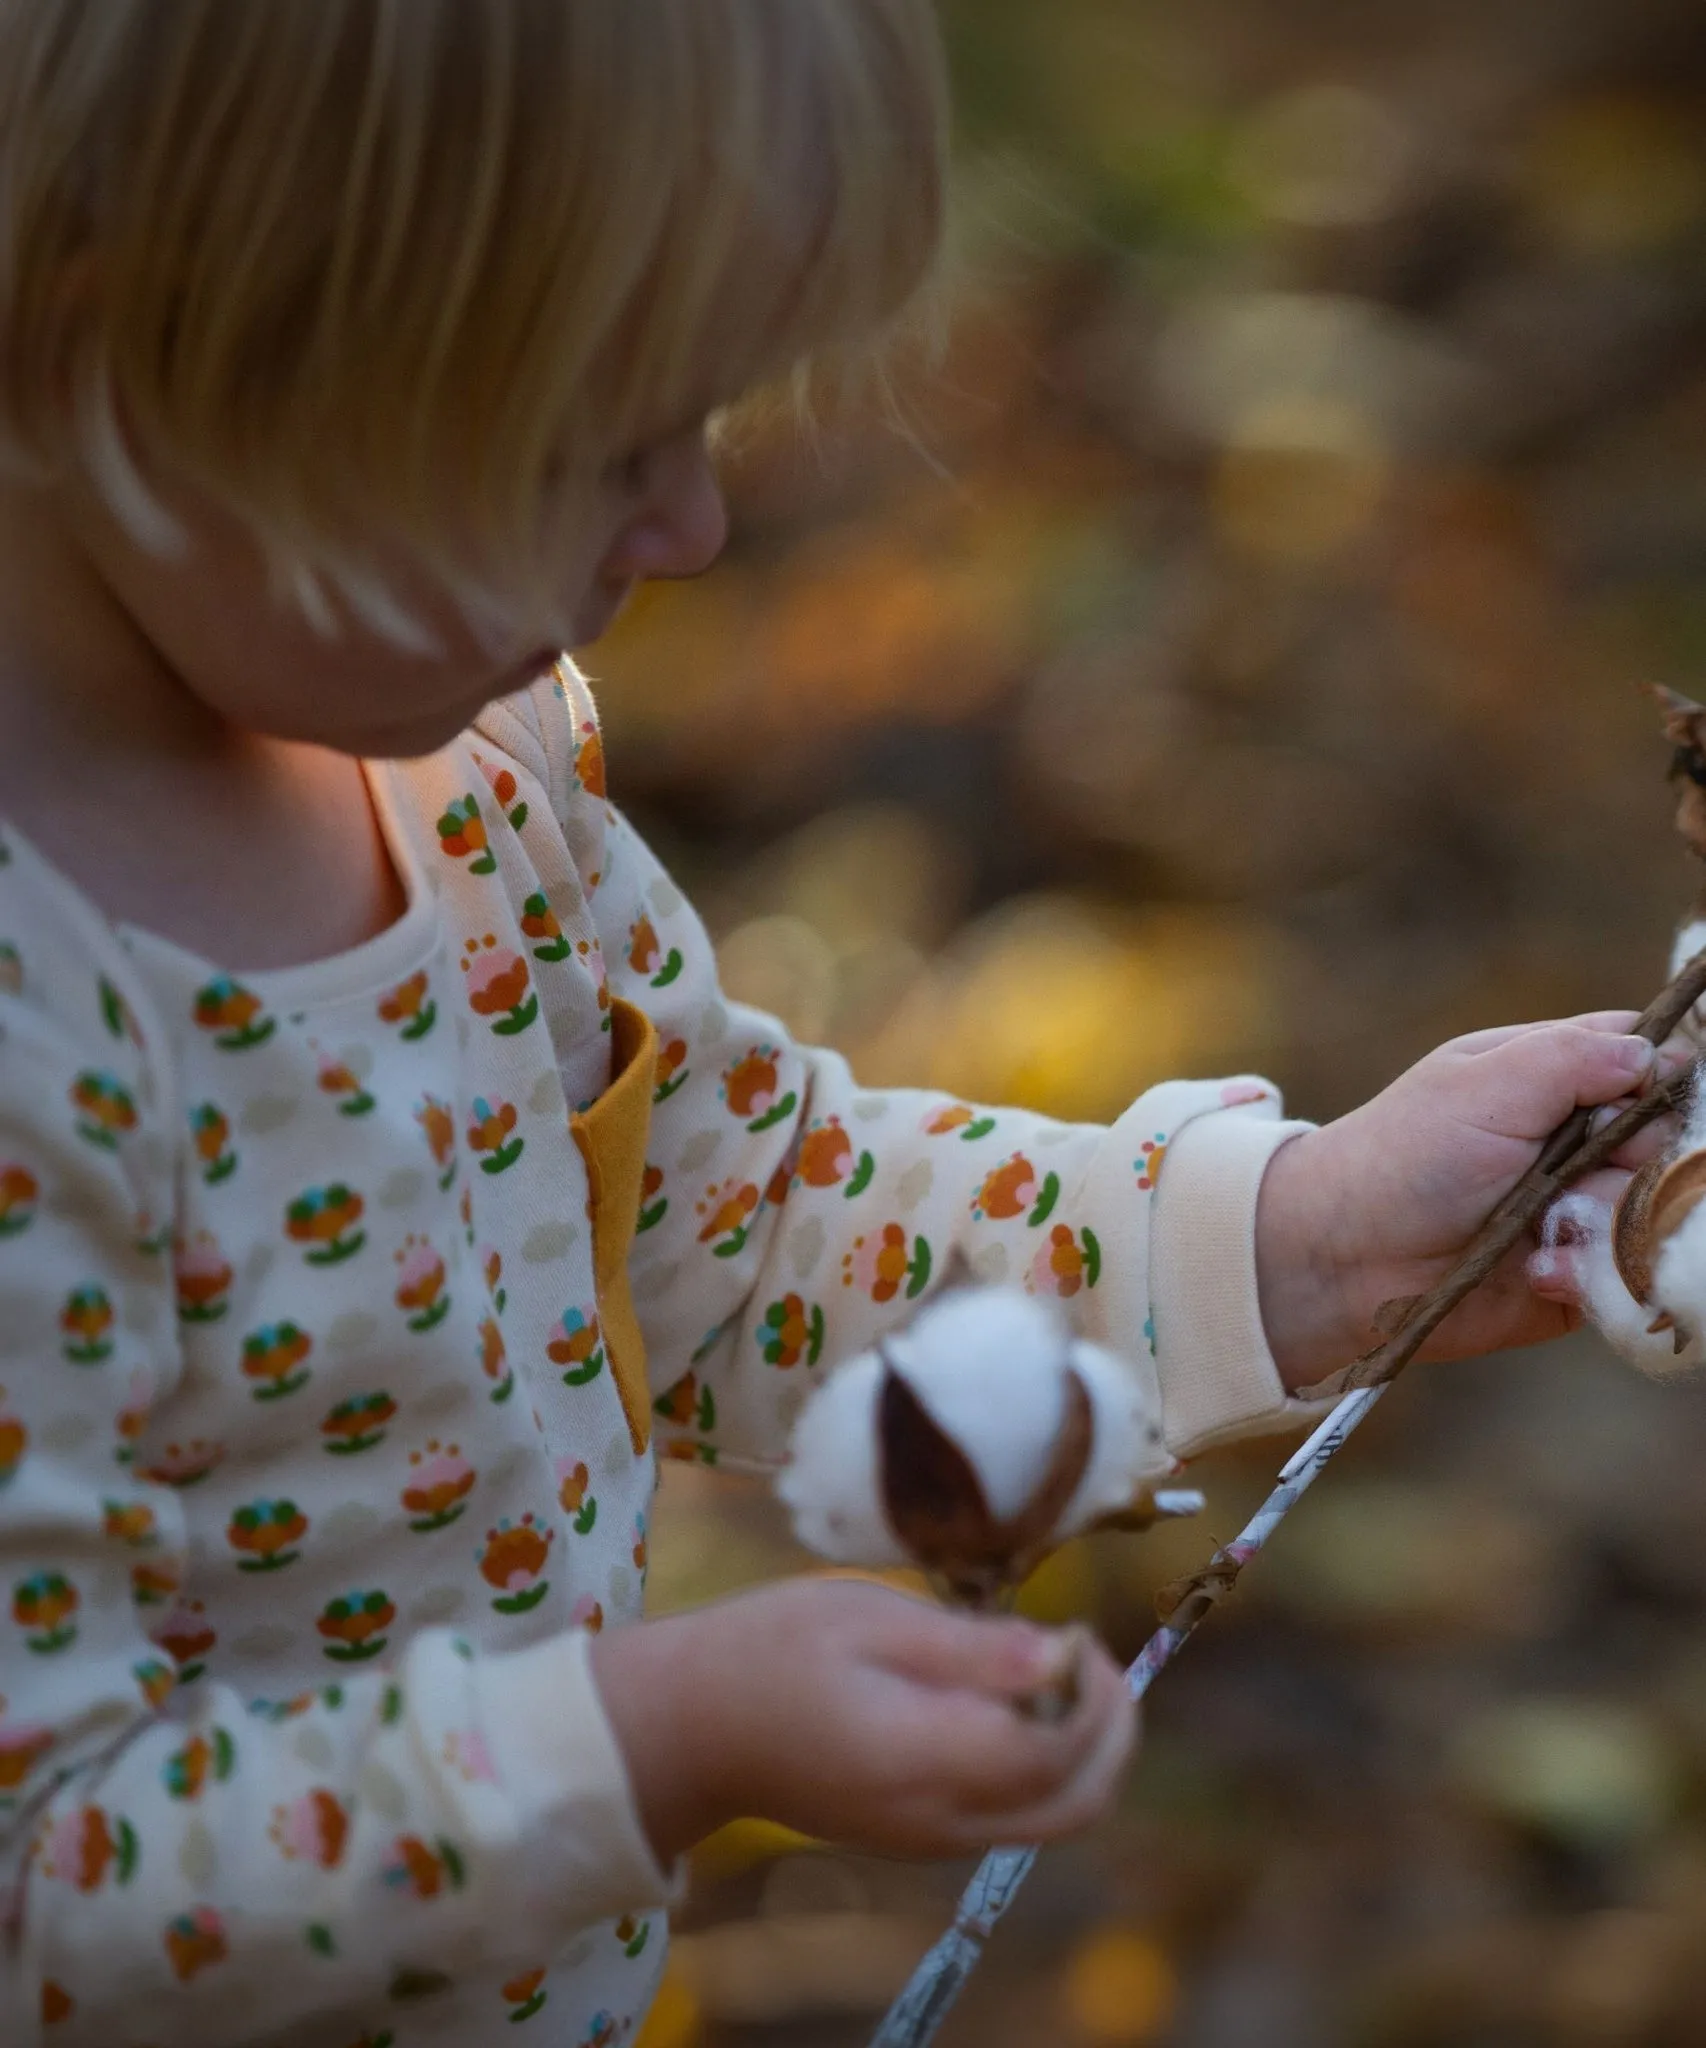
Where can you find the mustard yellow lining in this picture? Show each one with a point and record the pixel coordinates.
(612, 1139)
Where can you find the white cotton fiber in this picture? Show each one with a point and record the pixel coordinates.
(1679, 1287)
(990, 1365)
(1620, 1319)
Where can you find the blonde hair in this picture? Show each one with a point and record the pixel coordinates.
(364, 267)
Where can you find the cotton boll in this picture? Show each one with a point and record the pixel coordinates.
(1128, 1452)
(1679, 1288)
(831, 1484)
(1620, 1319)
(989, 1364)
(997, 1375)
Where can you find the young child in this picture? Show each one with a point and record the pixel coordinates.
(382, 1174)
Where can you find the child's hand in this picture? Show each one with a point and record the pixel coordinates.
(1383, 1202)
(857, 1714)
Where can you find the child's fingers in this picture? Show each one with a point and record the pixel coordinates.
(1618, 1022)
(1528, 1085)
(1006, 1658)
(1086, 1795)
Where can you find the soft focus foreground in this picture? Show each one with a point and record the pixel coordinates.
(1234, 668)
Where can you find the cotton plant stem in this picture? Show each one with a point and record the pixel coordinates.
(1574, 1149)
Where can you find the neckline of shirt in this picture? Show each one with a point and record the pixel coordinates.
(366, 969)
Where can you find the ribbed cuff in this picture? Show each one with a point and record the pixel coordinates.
(554, 1746)
(1218, 1377)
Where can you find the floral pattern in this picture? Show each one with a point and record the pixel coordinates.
(309, 1210)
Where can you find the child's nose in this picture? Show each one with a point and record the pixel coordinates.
(681, 529)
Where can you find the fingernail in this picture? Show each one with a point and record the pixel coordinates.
(1636, 1055)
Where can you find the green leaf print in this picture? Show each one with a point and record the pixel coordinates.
(1092, 1258)
(320, 1939)
(584, 1375)
(669, 970)
(1045, 1201)
(430, 1318)
(778, 1112)
(919, 1271)
(518, 1019)
(522, 1603)
(668, 1088)
(583, 1523)
(861, 1176)
(980, 1129)
(339, 1249)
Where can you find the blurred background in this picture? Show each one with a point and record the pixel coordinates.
(1235, 664)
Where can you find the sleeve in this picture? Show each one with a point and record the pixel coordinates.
(791, 1217)
(211, 1874)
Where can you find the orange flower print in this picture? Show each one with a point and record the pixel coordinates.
(438, 1127)
(688, 1405)
(155, 1681)
(323, 1220)
(195, 1941)
(512, 1559)
(420, 1284)
(45, 1602)
(462, 836)
(264, 1532)
(203, 1760)
(492, 1272)
(312, 1829)
(498, 986)
(87, 1846)
(672, 1069)
(524, 1995)
(881, 1264)
(357, 1424)
(129, 1522)
(504, 787)
(652, 1208)
(414, 1867)
(22, 1746)
(749, 1087)
(440, 1482)
(494, 1360)
(84, 1322)
(577, 1349)
(202, 1278)
(601, 2033)
(827, 1161)
(105, 1110)
(271, 1355)
(1148, 1162)
(640, 1548)
(469, 1755)
(183, 1464)
(338, 1078)
(632, 1933)
(727, 1210)
(955, 1116)
(18, 1191)
(489, 1129)
(791, 1331)
(589, 761)
(232, 1014)
(152, 1585)
(410, 1004)
(132, 1418)
(1014, 1189)
(210, 1135)
(646, 955)
(14, 1441)
(588, 1614)
(354, 1626)
(573, 1479)
(186, 1638)
(56, 2002)
(1065, 1263)
(539, 921)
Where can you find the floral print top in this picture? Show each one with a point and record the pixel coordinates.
(328, 1398)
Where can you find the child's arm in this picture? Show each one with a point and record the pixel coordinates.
(791, 1217)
